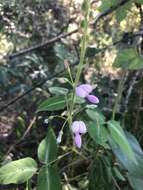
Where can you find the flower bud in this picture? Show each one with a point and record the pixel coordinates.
(93, 99)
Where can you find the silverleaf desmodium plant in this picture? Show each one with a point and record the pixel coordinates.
(108, 136)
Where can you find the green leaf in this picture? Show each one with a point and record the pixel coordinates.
(79, 100)
(58, 103)
(128, 59)
(136, 183)
(48, 179)
(62, 53)
(122, 11)
(84, 6)
(47, 150)
(98, 177)
(127, 164)
(18, 171)
(118, 136)
(118, 174)
(135, 171)
(139, 1)
(96, 116)
(58, 90)
(107, 4)
(99, 138)
(53, 104)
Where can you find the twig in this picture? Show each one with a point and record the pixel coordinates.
(39, 84)
(116, 184)
(101, 15)
(67, 181)
(129, 92)
(28, 128)
(23, 136)
(55, 39)
(76, 162)
(78, 176)
(119, 93)
(110, 10)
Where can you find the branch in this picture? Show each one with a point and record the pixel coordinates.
(57, 74)
(38, 84)
(22, 52)
(110, 10)
(55, 39)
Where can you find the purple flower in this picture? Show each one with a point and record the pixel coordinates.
(84, 91)
(93, 99)
(78, 127)
(77, 140)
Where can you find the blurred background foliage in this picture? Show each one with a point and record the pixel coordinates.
(113, 65)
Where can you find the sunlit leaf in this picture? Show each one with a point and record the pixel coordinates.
(18, 171)
(122, 11)
(107, 4)
(47, 150)
(128, 59)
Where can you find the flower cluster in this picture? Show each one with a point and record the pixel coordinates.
(79, 127)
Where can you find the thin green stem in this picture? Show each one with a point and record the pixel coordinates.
(82, 56)
(119, 94)
(70, 75)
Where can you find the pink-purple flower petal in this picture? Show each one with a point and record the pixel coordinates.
(83, 90)
(93, 99)
(75, 127)
(78, 127)
(77, 140)
(82, 127)
(80, 92)
(87, 88)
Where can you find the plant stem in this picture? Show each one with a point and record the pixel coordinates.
(119, 93)
(82, 56)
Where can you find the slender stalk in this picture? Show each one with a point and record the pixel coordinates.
(119, 93)
(82, 56)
